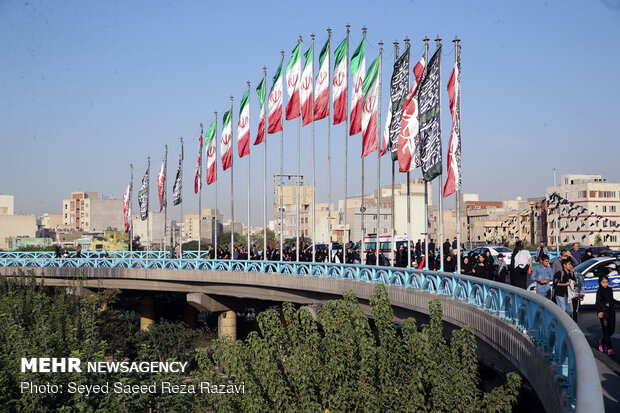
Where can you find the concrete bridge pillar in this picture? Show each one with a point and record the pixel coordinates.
(227, 325)
(147, 312)
(314, 311)
(190, 315)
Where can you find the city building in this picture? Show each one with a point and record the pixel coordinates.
(285, 190)
(322, 214)
(52, 221)
(416, 208)
(151, 230)
(211, 225)
(587, 211)
(7, 204)
(85, 211)
(16, 226)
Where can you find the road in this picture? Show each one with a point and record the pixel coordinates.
(609, 368)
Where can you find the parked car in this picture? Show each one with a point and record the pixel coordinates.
(597, 251)
(591, 270)
(495, 251)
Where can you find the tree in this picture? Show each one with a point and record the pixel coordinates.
(290, 365)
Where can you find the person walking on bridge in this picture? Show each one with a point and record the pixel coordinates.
(543, 275)
(606, 312)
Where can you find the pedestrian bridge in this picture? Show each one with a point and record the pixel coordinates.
(531, 332)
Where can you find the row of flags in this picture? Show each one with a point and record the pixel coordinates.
(412, 132)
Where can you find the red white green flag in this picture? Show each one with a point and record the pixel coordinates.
(370, 88)
(409, 136)
(260, 90)
(321, 103)
(307, 87)
(293, 75)
(339, 82)
(211, 154)
(198, 170)
(275, 102)
(453, 183)
(386, 133)
(243, 126)
(358, 72)
(127, 207)
(226, 142)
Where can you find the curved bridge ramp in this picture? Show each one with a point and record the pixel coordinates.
(531, 332)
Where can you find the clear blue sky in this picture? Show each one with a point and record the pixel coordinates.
(88, 87)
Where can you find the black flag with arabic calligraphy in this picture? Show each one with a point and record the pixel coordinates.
(143, 195)
(178, 185)
(399, 85)
(430, 117)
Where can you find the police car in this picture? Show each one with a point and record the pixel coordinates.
(591, 270)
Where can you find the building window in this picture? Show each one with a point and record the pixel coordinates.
(612, 208)
(592, 194)
(613, 238)
(604, 208)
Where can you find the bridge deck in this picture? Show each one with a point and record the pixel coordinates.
(527, 329)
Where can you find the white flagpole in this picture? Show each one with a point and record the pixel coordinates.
(265, 172)
(313, 164)
(440, 241)
(426, 39)
(281, 178)
(346, 149)
(200, 195)
(232, 193)
(378, 249)
(148, 184)
(181, 203)
(457, 52)
(392, 233)
(165, 197)
(130, 217)
(216, 211)
(329, 145)
(298, 179)
(363, 208)
(248, 248)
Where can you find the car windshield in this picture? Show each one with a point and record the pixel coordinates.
(502, 249)
(582, 267)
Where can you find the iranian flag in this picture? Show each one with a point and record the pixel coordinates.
(211, 154)
(385, 138)
(260, 90)
(339, 82)
(321, 104)
(358, 71)
(226, 143)
(307, 86)
(198, 170)
(293, 75)
(243, 126)
(127, 207)
(275, 102)
(409, 139)
(453, 183)
(370, 88)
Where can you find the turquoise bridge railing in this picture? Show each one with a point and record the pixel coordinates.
(552, 330)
